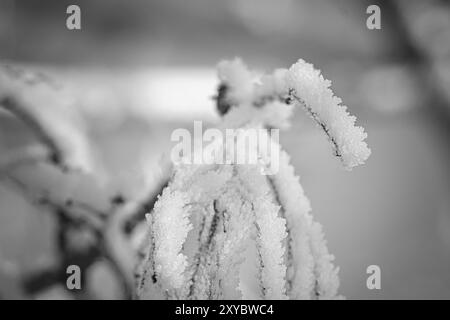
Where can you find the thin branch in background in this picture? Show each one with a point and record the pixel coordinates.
(80, 213)
(29, 155)
(144, 206)
(110, 232)
(55, 153)
(50, 114)
(30, 78)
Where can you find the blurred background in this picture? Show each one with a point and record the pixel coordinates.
(138, 69)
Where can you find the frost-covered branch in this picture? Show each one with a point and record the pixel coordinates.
(208, 217)
(109, 237)
(227, 231)
(13, 106)
(86, 234)
(303, 85)
(29, 155)
(47, 110)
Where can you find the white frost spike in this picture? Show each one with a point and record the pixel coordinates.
(312, 272)
(325, 273)
(170, 228)
(310, 88)
(271, 232)
(297, 213)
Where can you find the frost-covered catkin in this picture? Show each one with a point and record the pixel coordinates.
(310, 88)
(229, 232)
(302, 84)
(170, 228)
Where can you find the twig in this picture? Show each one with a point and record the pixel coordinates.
(29, 155)
(55, 153)
(141, 208)
(110, 228)
(80, 213)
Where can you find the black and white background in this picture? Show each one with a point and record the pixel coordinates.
(139, 69)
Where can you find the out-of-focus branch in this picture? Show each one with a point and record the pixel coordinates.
(108, 231)
(47, 112)
(29, 155)
(117, 247)
(55, 154)
(119, 227)
(144, 206)
(409, 52)
(80, 213)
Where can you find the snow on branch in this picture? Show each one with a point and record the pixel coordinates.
(49, 112)
(171, 225)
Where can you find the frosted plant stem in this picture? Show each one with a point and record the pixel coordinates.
(288, 242)
(240, 211)
(316, 118)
